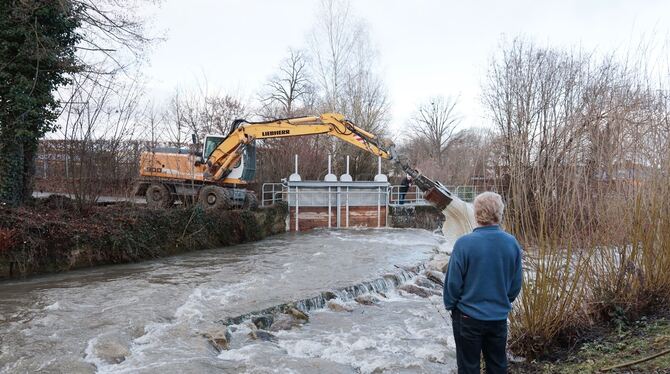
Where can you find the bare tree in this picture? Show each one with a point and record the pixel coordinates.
(435, 122)
(344, 62)
(287, 92)
(219, 112)
(175, 129)
(113, 34)
(97, 130)
(200, 113)
(333, 42)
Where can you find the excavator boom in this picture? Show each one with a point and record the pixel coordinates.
(229, 151)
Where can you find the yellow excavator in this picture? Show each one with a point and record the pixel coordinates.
(216, 177)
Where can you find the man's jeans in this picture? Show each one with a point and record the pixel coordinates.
(473, 337)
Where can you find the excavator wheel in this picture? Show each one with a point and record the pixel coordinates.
(214, 197)
(250, 201)
(158, 196)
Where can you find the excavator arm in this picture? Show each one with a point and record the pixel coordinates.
(434, 192)
(229, 151)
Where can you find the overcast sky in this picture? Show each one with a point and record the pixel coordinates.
(426, 47)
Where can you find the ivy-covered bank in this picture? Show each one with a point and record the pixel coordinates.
(52, 236)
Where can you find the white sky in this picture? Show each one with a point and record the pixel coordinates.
(426, 47)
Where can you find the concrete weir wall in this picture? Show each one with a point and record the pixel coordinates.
(336, 204)
(35, 243)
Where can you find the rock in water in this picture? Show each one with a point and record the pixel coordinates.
(439, 263)
(298, 314)
(366, 299)
(409, 269)
(219, 338)
(112, 352)
(329, 295)
(262, 335)
(422, 281)
(286, 322)
(263, 322)
(338, 307)
(416, 290)
(436, 277)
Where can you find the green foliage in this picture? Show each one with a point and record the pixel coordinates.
(37, 50)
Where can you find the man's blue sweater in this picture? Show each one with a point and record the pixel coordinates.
(484, 275)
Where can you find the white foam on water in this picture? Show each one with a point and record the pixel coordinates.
(54, 306)
(431, 352)
(191, 309)
(363, 343)
(90, 355)
(365, 354)
(244, 354)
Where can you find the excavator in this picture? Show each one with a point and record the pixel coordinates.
(216, 176)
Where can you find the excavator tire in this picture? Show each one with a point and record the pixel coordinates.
(250, 201)
(215, 197)
(158, 196)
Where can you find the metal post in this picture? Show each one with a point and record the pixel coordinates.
(297, 204)
(329, 204)
(379, 196)
(347, 208)
(339, 218)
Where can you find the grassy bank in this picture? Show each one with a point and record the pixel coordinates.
(52, 235)
(610, 347)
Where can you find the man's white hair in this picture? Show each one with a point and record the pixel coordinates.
(489, 208)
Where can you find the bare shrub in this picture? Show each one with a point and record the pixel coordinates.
(580, 177)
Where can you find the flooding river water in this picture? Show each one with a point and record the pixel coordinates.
(154, 314)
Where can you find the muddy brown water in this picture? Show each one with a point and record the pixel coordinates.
(150, 317)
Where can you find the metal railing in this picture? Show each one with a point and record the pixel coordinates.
(272, 192)
(413, 196)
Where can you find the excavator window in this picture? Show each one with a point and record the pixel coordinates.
(211, 142)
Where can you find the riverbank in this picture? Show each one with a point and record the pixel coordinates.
(608, 347)
(52, 235)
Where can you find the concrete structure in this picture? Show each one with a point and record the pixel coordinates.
(317, 204)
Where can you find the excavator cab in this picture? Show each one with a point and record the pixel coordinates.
(245, 168)
(211, 142)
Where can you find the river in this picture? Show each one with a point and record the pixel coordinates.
(150, 317)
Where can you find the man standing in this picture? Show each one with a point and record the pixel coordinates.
(483, 279)
(404, 187)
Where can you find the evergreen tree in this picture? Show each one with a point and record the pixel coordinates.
(37, 51)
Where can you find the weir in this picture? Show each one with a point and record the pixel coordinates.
(381, 284)
(334, 203)
(322, 204)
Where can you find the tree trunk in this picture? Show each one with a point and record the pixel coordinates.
(30, 147)
(11, 168)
